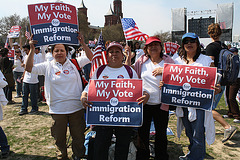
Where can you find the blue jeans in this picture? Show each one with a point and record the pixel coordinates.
(103, 141)
(4, 147)
(33, 90)
(195, 132)
(217, 98)
(18, 75)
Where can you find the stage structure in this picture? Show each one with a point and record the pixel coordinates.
(225, 18)
(181, 23)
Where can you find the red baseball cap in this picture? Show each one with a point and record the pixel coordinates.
(115, 44)
(152, 39)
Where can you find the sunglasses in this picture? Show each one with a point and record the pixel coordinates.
(189, 40)
(17, 52)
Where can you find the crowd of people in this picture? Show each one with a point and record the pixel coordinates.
(51, 69)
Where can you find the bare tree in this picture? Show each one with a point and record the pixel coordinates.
(7, 22)
(164, 36)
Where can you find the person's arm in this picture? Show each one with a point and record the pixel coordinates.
(128, 55)
(217, 88)
(10, 43)
(144, 98)
(23, 76)
(84, 100)
(87, 50)
(29, 61)
(43, 49)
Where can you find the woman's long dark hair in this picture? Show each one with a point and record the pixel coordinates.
(146, 52)
(183, 53)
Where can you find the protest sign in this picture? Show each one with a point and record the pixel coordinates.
(11, 54)
(91, 43)
(53, 23)
(114, 102)
(188, 86)
(171, 48)
(14, 32)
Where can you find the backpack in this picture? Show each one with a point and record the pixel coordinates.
(84, 81)
(228, 67)
(102, 67)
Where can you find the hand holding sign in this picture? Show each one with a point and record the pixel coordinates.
(144, 98)
(32, 42)
(84, 101)
(80, 38)
(217, 88)
(161, 83)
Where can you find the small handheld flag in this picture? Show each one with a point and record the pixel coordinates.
(131, 30)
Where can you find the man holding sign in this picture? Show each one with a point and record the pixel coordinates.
(195, 115)
(113, 85)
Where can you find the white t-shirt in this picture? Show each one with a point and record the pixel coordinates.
(202, 60)
(150, 82)
(48, 56)
(30, 77)
(113, 73)
(3, 100)
(63, 86)
(39, 58)
(17, 65)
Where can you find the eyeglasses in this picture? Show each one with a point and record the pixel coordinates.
(189, 40)
(17, 52)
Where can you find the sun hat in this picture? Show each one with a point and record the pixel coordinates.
(115, 44)
(152, 39)
(189, 35)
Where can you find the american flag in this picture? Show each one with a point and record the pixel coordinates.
(27, 33)
(99, 57)
(131, 30)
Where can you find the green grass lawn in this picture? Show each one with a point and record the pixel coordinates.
(30, 138)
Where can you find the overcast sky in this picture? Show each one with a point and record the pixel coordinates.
(151, 16)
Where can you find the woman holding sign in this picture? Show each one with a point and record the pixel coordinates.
(63, 88)
(149, 68)
(113, 70)
(194, 120)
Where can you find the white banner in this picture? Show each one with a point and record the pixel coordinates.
(178, 19)
(225, 15)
